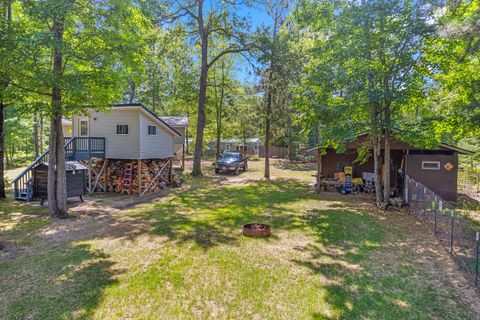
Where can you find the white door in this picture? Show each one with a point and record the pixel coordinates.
(83, 127)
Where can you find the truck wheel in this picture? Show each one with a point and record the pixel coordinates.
(237, 170)
(245, 167)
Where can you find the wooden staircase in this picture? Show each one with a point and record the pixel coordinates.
(22, 185)
(76, 148)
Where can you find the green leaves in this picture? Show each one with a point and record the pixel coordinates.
(101, 46)
(367, 52)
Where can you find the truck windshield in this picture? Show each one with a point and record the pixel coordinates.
(230, 155)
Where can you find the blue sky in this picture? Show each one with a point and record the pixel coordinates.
(258, 18)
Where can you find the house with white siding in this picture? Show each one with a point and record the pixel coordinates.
(180, 124)
(130, 131)
(248, 146)
(127, 148)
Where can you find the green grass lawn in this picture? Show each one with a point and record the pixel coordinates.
(183, 256)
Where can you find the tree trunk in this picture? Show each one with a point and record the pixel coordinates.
(186, 134)
(57, 182)
(7, 15)
(291, 150)
(377, 149)
(219, 109)
(375, 128)
(132, 92)
(268, 109)
(387, 155)
(2, 149)
(377, 167)
(40, 138)
(202, 100)
(218, 138)
(244, 148)
(8, 157)
(35, 136)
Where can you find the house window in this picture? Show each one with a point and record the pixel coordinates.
(122, 128)
(431, 165)
(152, 130)
(227, 147)
(84, 128)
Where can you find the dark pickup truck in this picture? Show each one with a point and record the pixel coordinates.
(231, 161)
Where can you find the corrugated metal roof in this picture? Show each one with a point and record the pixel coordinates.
(235, 140)
(176, 121)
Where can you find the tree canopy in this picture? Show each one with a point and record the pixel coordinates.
(278, 70)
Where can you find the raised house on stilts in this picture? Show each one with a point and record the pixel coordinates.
(127, 149)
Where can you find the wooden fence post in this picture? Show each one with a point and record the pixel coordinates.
(477, 257)
(451, 231)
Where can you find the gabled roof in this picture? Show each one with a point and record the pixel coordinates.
(457, 149)
(181, 122)
(66, 122)
(142, 108)
(442, 146)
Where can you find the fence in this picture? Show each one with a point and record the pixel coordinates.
(469, 182)
(274, 152)
(454, 231)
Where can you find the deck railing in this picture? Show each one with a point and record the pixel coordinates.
(76, 148)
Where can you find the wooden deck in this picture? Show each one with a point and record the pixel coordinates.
(84, 148)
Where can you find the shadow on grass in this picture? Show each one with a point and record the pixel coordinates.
(63, 282)
(209, 216)
(19, 219)
(364, 281)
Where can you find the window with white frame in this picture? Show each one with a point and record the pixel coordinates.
(83, 128)
(227, 147)
(122, 128)
(431, 165)
(152, 130)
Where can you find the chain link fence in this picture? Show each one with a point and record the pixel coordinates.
(456, 232)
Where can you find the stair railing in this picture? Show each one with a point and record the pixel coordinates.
(23, 180)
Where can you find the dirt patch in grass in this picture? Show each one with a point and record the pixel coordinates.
(8, 249)
(181, 254)
(444, 272)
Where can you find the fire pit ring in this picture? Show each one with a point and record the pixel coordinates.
(257, 230)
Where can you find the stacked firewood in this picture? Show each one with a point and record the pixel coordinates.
(113, 176)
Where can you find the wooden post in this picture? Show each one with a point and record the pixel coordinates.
(105, 175)
(90, 176)
(139, 172)
(183, 156)
(319, 169)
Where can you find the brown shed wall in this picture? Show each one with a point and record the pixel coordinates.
(443, 182)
